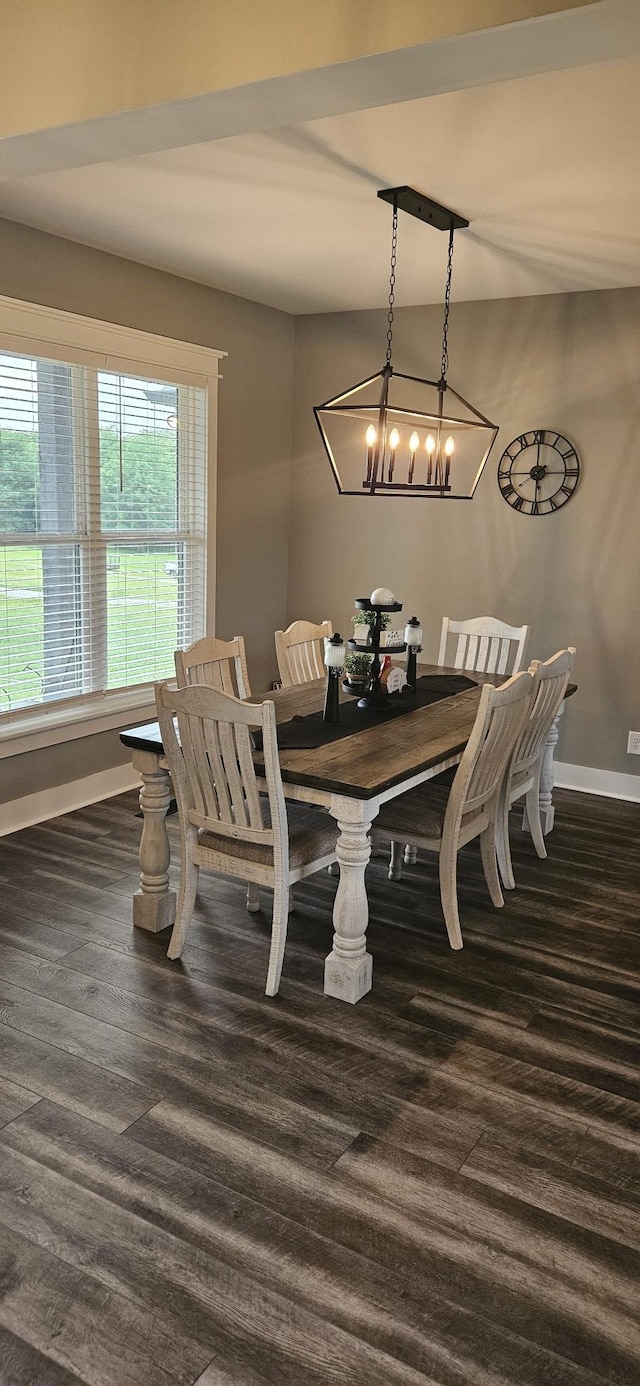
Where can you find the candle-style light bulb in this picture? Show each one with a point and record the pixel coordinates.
(370, 439)
(394, 439)
(430, 445)
(449, 446)
(448, 452)
(414, 444)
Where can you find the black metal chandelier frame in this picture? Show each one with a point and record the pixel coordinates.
(438, 482)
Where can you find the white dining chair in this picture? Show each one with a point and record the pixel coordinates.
(220, 664)
(444, 820)
(523, 774)
(226, 824)
(300, 652)
(483, 645)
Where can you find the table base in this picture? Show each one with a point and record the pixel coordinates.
(348, 979)
(348, 968)
(154, 912)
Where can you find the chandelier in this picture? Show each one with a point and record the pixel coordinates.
(400, 435)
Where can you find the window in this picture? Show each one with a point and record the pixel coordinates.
(102, 529)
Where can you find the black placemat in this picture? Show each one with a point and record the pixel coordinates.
(307, 733)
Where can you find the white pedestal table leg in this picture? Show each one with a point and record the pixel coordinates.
(154, 904)
(348, 968)
(547, 810)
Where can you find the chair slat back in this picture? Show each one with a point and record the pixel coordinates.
(207, 742)
(484, 644)
(500, 718)
(550, 686)
(300, 652)
(220, 664)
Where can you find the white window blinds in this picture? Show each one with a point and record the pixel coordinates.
(102, 528)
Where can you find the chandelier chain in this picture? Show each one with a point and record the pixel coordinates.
(447, 303)
(392, 281)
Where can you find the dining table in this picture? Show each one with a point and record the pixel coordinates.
(351, 777)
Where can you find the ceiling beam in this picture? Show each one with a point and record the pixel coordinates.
(586, 34)
(67, 61)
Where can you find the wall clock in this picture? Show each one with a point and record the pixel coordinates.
(538, 472)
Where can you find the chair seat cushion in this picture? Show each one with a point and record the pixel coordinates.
(418, 813)
(312, 835)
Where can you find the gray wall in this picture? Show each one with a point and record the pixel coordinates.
(254, 444)
(569, 362)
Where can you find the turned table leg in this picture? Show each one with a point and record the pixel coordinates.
(547, 810)
(348, 968)
(154, 904)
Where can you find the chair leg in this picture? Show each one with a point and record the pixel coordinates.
(448, 867)
(395, 862)
(534, 820)
(253, 897)
(333, 869)
(410, 855)
(503, 845)
(278, 937)
(490, 864)
(189, 874)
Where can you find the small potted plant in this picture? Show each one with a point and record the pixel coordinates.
(357, 667)
(364, 622)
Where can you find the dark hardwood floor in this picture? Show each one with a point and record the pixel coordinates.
(439, 1185)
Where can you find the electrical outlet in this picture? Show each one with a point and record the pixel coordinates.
(633, 744)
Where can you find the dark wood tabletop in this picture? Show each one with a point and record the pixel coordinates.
(363, 765)
(371, 761)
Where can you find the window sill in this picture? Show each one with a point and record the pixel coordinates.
(34, 728)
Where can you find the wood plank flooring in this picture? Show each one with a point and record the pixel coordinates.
(437, 1187)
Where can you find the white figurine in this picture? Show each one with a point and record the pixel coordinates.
(396, 680)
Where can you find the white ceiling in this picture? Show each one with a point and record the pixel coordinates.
(545, 168)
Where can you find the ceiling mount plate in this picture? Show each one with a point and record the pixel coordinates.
(424, 208)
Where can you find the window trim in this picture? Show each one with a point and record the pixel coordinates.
(35, 329)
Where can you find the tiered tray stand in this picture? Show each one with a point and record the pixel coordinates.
(374, 695)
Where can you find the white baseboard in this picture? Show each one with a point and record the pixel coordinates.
(612, 784)
(64, 798)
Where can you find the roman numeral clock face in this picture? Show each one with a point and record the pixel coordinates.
(538, 472)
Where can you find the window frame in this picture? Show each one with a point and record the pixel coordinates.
(40, 331)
